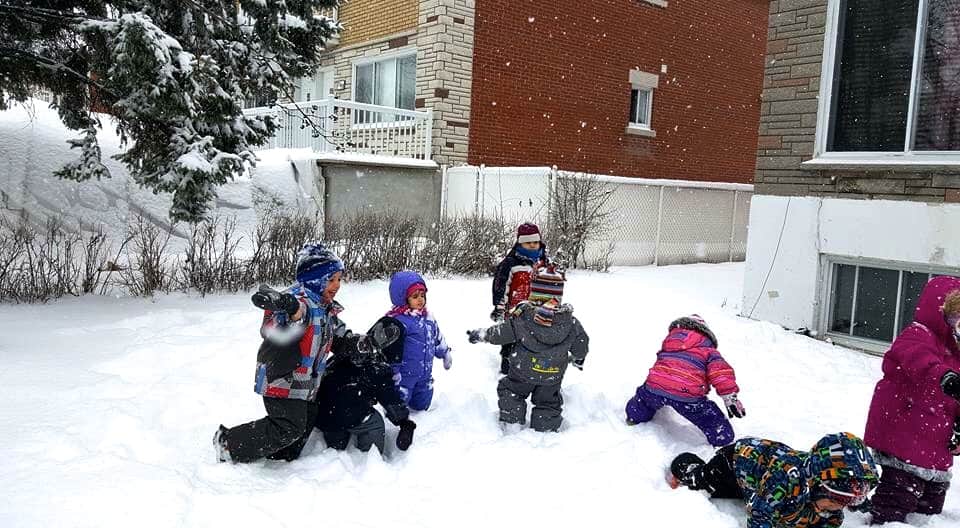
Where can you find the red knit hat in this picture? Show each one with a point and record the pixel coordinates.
(528, 232)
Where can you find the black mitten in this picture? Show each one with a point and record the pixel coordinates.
(405, 437)
(950, 383)
(954, 444)
(267, 298)
(475, 336)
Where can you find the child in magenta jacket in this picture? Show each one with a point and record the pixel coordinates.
(913, 422)
(688, 363)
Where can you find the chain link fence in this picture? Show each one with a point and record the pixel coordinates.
(651, 221)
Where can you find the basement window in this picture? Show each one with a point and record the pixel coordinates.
(869, 305)
(640, 118)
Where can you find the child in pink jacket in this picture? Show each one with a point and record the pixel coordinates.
(687, 365)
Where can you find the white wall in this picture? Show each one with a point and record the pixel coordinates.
(895, 231)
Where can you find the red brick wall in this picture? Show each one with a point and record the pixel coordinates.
(551, 86)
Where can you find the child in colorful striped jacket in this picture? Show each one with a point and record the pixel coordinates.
(687, 365)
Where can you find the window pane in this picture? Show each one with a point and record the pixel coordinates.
(385, 92)
(913, 284)
(873, 67)
(639, 103)
(364, 84)
(876, 302)
(843, 282)
(407, 81)
(938, 98)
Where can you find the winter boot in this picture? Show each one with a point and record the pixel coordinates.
(220, 444)
(685, 470)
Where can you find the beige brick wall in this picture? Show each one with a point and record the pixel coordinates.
(788, 118)
(442, 36)
(365, 20)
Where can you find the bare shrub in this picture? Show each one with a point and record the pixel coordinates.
(276, 241)
(578, 214)
(39, 264)
(375, 244)
(96, 266)
(468, 245)
(149, 268)
(211, 262)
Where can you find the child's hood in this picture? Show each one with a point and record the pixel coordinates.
(400, 282)
(563, 324)
(929, 305)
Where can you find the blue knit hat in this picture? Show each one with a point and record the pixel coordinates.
(315, 266)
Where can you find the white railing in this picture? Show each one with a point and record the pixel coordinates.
(334, 125)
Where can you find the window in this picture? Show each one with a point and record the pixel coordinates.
(895, 79)
(640, 117)
(641, 101)
(389, 82)
(872, 302)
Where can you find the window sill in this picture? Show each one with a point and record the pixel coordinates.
(871, 346)
(640, 131)
(883, 160)
(661, 3)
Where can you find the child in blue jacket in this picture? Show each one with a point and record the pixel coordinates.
(423, 341)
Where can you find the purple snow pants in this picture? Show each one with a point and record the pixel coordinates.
(703, 413)
(901, 493)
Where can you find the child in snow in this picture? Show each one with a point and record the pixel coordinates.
(545, 337)
(352, 386)
(300, 327)
(422, 343)
(511, 283)
(912, 424)
(782, 487)
(687, 365)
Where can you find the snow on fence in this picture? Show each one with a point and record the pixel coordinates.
(653, 221)
(334, 125)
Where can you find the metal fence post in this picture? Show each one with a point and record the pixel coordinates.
(477, 211)
(656, 245)
(733, 223)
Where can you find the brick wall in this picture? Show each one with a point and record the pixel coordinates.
(551, 86)
(365, 20)
(442, 36)
(788, 118)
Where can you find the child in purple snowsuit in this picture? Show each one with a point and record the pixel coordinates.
(687, 365)
(913, 421)
(423, 341)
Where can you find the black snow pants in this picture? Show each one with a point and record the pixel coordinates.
(280, 435)
(546, 399)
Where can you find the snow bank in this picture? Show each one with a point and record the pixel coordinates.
(109, 411)
(33, 145)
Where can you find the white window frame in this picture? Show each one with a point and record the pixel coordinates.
(904, 158)
(645, 82)
(648, 111)
(400, 53)
(827, 277)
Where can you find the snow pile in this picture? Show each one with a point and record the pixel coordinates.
(33, 146)
(110, 404)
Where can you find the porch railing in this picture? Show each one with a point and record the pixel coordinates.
(334, 125)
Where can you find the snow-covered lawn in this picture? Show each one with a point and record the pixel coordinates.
(108, 407)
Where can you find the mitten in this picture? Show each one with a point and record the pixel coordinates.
(954, 444)
(734, 407)
(405, 437)
(448, 360)
(577, 363)
(950, 383)
(267, 298)
(497, 314)
(476, 336)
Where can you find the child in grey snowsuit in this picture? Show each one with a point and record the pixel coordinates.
(545, 337)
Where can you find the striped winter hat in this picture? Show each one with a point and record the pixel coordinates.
(528, 232)
(546, 284)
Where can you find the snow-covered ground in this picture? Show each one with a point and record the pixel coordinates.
(108, 407)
